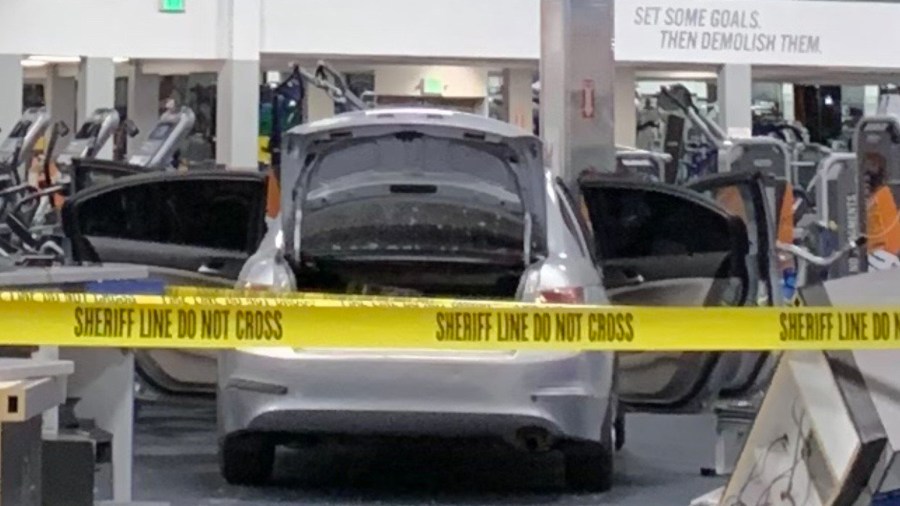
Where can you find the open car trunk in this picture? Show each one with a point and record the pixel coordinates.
(430, 208)
(418, 278)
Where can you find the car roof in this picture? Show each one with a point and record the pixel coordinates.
(413, 116)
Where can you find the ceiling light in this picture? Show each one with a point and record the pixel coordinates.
(121, 59)
(55, 59)
(33, 63)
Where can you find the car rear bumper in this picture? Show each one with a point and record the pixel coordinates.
(415, 393)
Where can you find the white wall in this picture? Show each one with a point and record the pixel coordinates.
(500, 29)
(464, 29)
(133, 28)
(405, 80)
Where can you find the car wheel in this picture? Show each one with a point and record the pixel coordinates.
(247, 459)
(589, 464)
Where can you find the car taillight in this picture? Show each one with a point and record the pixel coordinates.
(568, 295)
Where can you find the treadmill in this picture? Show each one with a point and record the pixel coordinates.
(80, 169)
(18, 147)
(159, 150)
(93, 134)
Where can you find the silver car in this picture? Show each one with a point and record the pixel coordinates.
(422, 202)
(435, 203)
(425, 203)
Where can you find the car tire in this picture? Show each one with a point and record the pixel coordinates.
(247, 459)
(589, 465)
(619, 428)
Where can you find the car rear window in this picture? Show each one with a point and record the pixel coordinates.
(410, 193)
(394, 225)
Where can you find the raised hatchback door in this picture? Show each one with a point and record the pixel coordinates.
(661, 245)
(358, 159)
(207, 223)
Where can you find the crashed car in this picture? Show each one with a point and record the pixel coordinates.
(442, 204)
(435, 203)
(427, 203)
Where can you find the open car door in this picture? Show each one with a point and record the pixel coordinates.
(662, 245)
(198, 227)
(748, 195)
(200, 222)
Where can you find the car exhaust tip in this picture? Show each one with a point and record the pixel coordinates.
(534, 439)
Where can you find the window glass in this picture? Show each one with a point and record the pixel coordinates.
(738, 200)
(633, 223)
(208, 214)
(392, 225)
(408, 194)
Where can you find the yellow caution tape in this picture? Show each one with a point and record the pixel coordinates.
(200, 322)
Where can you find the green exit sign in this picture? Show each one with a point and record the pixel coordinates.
(432, 86)
(171, 5)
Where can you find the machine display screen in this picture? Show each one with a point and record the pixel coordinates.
(161, 132)
(876, 127)
(20, 129)
(88, 131)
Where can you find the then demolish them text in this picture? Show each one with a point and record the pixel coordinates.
(740, 42)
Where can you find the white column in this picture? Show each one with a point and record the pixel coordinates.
(143, 103)
(626, 113)
(61, 97)
(318, 104)
(577, 75)
(96, 89)
(735, 92)
(872, 94)
(787, 101)
(237, 120)
(11, 82)
(518, 97)
(237, 105)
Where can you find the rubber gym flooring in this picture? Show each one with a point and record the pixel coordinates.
(175, 463)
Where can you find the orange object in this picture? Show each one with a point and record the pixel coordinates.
(786, 229)
(884, 222)
(731, 199)
(786, 217)
(273, 195)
